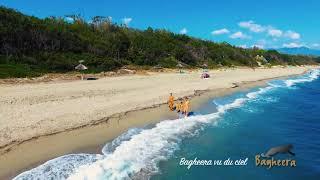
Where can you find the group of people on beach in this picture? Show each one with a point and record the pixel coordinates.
(183, 106)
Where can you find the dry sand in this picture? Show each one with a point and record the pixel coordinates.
(91, 139)
(32, 110)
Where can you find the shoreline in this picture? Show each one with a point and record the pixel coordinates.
(40, 150)
(198, 94)
(91, 138)
(8, 147)
(4, 147)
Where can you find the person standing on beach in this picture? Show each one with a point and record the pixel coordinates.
(186, 106)
(171, 102)
(179, 107)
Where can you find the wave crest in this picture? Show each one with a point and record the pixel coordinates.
(138, 151)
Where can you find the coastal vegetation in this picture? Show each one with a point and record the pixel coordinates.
(30, 46)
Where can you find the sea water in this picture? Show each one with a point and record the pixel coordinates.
(236, 127)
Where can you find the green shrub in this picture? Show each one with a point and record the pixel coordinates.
(17, 70)
(168, 62)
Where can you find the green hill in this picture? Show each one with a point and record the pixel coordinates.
(30, 46)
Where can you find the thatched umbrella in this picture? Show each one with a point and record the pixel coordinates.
(81, 67)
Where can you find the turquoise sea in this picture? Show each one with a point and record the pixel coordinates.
(234, 127)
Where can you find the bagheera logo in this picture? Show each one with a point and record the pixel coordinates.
(263, 158)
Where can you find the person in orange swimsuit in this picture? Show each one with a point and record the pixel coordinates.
(186, 106)
(179, 107)
(171, 102)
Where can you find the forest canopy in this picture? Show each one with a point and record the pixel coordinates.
(30, 46)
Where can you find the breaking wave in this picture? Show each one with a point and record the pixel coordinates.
(138, 151)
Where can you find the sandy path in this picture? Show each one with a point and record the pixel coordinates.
(30, 110)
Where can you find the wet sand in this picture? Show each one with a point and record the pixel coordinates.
(32, 110)
(30, 151)
(91, 139)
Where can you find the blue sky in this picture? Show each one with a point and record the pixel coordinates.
(267, 24)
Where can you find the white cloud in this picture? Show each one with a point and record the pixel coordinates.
(271, 31)
(292, 35)
(244, 46)
(183, 31)
(220, 31)
(292, 45)
(69, 19)
(315, 45)
(260, 46)
(239, 35)
(252, 26)
(126, 21)
(275, 32)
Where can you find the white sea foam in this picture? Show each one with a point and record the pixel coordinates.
(144, 150)
(139, 150)
(59, 168)
(238, 102)
(310, 76)
(110, 147)
(275, 85)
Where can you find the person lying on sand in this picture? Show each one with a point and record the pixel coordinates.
(171, 102)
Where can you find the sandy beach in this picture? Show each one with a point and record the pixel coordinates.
(32, 110)
(115, 103)
(90, 139)
(120, 90)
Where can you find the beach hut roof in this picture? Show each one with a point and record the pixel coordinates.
(81, 67)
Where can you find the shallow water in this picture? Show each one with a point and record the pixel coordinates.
(284, 113)
(238, 126)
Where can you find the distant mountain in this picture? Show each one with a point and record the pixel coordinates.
(300, 51)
